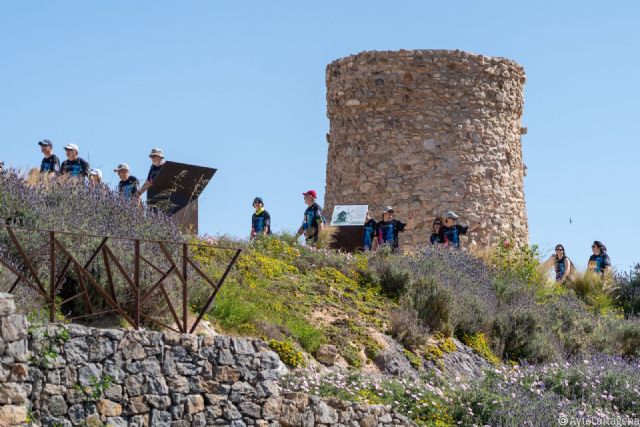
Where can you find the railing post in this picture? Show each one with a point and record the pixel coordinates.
(136, 281)
(185, 291)
(52, 276)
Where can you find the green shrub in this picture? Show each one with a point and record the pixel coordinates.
(406, 328)
(627, 292)
(287, 352)
(432, 303)
(520, 335)
(394, 279)
(594, 290)
(309, 337)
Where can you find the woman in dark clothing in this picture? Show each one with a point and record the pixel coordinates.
(435, 231)
(561, 264)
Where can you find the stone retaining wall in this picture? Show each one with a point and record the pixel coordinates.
(70, 375)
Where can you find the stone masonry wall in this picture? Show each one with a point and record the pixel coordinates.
(428, 131)
(70, 375)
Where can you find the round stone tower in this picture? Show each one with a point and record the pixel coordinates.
(428, 131)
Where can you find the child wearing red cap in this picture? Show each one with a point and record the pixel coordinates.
(313, 222)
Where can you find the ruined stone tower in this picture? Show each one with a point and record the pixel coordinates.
(427, 131)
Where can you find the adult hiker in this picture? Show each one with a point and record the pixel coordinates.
(50, 163)
(313, 222)
(435, 231)
(451, 231)
(157, 160)
(74, 166)
(599, 262)
(561, 264)
(129, 186)
(260, 220)
(370, 227)
(389, 228)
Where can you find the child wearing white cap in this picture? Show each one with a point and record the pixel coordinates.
(74, 166)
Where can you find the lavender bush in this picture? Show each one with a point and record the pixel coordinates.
(70, 206)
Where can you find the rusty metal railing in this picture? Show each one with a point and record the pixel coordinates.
(59, 259)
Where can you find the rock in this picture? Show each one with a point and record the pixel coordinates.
(101, 349)
(391, 360)
(14, 327)
(108, 408)
(135, 385)
(195, 403)
(227, 374)
(178, 384)
(131, 349)
(18, 350)
(89, 375)
(7, 305)
(13, 393)
(158, 402)
(327, 354)
(137, 405)
(13, 414)
(117, 422)
(325, 414)
(76, 413)
(57, 406)
(76, 350)
(250, 409)
(160, 418)
(114, 392)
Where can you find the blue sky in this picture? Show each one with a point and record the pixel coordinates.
(240, 86)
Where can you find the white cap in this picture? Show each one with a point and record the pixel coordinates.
(452, 215)
(96, 172)
(156, 152)
(72, 147)
(388, 209)
(121, 166)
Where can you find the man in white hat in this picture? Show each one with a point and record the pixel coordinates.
(74, 166)
(50, 163)
(157, 160)
(129, 185)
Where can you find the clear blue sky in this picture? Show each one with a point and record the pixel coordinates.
(240, 86)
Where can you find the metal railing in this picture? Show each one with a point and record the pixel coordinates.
(49, 265)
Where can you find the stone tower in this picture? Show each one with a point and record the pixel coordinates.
(427, 131)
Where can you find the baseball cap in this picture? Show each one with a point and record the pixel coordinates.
(121, 166)
(71, 147)
(96, 172)
(258, 200)
(311, 193)
(156, 152)
(45, 143)
(387, 209)
(452, 215)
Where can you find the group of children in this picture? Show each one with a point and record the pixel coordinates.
(376, 233)
(76, 167)
(445, 231)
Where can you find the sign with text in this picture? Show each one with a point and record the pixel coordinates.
(349, 215)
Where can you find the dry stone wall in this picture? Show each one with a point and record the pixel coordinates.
(70, 375)
(428, 131)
